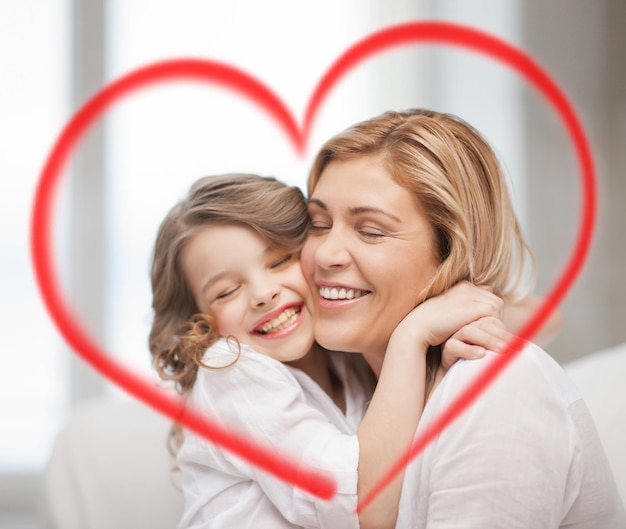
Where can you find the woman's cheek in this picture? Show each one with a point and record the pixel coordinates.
(307, 263)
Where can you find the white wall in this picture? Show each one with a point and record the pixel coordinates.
(582, 45)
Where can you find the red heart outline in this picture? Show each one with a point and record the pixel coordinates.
(216, 73)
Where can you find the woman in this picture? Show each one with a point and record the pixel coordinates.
(403, 206)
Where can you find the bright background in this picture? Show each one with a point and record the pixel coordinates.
(132, 167)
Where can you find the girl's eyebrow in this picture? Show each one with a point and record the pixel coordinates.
(221, 275)
(360, 210)
(213, 279)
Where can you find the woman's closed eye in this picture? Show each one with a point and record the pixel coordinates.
(317, 227)
(371, 233)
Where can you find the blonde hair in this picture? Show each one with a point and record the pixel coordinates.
(457, 181)
(179, 335)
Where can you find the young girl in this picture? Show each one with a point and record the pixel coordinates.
(229, 254)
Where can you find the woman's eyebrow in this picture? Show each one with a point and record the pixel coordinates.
(371, 209)
(357, 210)
(318, 202)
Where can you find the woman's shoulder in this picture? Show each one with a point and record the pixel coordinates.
(530, 374)
(498, 401)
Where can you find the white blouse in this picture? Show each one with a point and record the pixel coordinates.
(270, 401)
(525, 454)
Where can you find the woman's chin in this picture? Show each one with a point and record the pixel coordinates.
(333, 340)
(336, 337)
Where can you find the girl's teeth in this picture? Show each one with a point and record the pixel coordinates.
(284, 317)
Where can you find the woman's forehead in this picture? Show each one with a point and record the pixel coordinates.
(361, 179)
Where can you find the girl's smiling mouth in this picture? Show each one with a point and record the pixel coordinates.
(279, 322)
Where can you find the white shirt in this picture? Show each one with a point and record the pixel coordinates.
(267, 400)
(526, 455)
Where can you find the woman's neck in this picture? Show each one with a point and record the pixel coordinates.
(375, 361)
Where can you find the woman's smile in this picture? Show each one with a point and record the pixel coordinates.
(339, 295)
(369, 255)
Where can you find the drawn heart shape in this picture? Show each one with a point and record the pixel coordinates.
(215, 73)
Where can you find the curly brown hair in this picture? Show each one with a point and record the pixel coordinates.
(179, 335)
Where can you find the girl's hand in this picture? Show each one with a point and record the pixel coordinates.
(472, 340)
(437, 319)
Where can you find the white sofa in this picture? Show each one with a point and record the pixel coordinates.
(601, 378)
(110, 467)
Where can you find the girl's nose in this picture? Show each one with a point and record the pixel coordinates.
(264, 294)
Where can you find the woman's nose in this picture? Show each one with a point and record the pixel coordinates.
(332, 250)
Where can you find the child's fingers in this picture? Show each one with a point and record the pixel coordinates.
(472, 340)
(487, 336)
(454, 349)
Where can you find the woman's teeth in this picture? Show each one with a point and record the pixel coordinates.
(341, 293)
(284, 319)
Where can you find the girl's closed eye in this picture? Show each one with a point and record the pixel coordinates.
(284, 259)
(226, 293)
